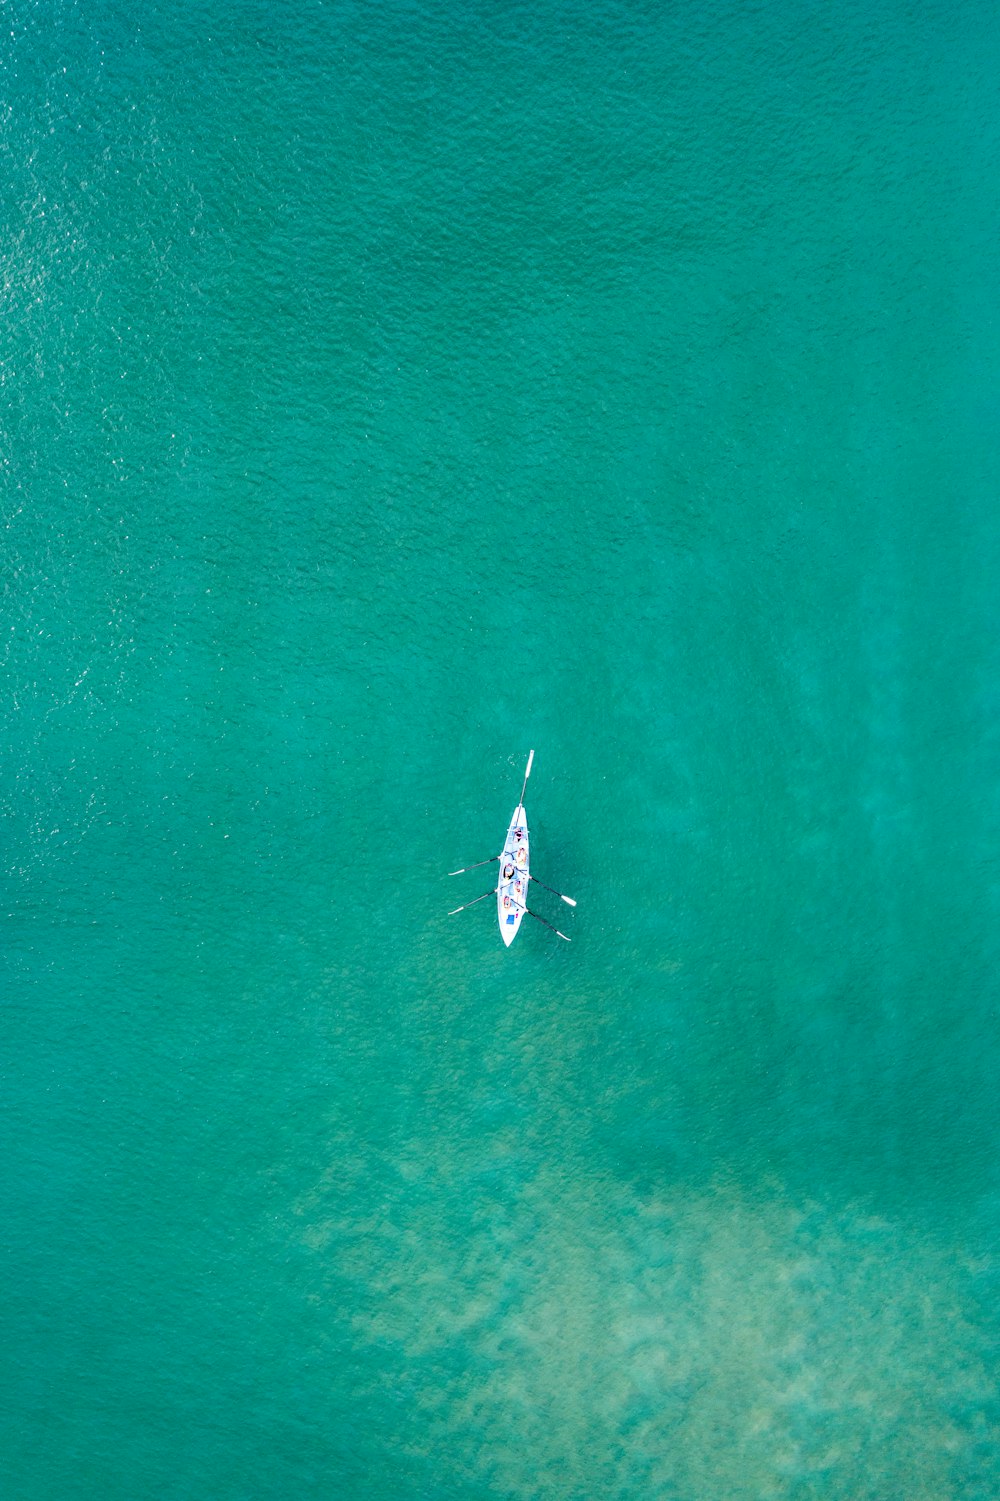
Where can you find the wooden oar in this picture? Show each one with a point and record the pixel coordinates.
(473, 903)
(567, 899)
(545, 924)
(478, 863)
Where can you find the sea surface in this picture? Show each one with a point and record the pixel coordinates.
(389, 389)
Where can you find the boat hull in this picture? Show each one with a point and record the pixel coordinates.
(512, 889)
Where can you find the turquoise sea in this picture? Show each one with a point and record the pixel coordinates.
(390, 389)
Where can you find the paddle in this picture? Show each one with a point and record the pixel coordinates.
(567, 899)
(527, 774)
(473, 903)
(478, 863)
(545, 924)
(493, 858)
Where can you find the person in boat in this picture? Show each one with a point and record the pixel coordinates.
(508, 871)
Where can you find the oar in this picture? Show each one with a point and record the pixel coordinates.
(478, 863)
(527, 774)
(546, 924)
(472, 904)
(567, 899)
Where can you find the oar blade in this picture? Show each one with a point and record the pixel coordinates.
(567, 899)
(490, 861)
(473, 903)
(547, 924)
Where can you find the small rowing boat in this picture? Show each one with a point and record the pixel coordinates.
(511, 889)
(512, 892)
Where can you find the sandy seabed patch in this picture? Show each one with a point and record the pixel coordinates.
(562, 1336)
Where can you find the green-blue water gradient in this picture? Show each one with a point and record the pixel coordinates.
(388, 390)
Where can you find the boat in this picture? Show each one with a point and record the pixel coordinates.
(511, 889)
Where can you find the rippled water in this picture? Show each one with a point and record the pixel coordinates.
(387, 391)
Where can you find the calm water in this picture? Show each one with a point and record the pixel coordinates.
(387, 390)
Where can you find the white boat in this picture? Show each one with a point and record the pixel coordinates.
(511, 889)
